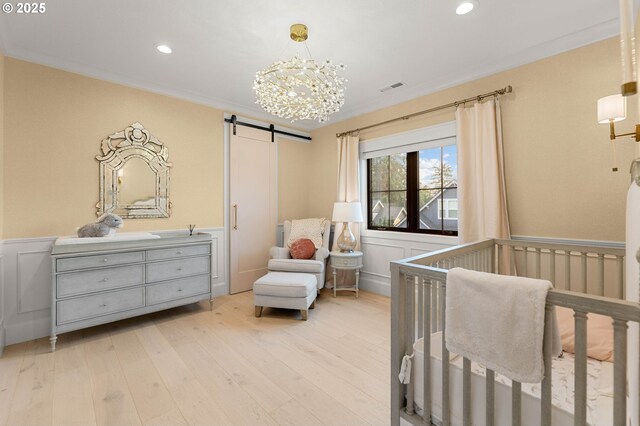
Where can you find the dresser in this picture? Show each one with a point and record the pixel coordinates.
(97, 283)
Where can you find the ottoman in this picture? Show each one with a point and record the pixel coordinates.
(286, 290)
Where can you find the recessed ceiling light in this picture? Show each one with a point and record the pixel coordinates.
(466, 6)
(163, 48)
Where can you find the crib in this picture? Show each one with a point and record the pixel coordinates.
(587, 279)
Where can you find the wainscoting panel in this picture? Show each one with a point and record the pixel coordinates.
(25, 284)
(27, 288)
(33, 269)
(381, 248)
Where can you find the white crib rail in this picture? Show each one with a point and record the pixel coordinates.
(418, 295)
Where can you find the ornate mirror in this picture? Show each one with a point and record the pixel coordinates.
(134, 175)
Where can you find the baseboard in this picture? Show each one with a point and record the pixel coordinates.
(219, 289)
(26, 331)
(376, 285)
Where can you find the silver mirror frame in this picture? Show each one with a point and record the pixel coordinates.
(133, 142)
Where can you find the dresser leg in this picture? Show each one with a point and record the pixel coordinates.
(53, 339)
(211, 304)
(305, 314)
(258, 311)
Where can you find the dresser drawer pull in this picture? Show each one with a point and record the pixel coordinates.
(104, 305)
(104, 280)
(179, 252)
(105, 260)
(179, 268)
(179, 290)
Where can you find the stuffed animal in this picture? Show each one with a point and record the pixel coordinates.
(106, 225)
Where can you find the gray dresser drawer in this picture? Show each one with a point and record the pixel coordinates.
(99, 261)
(162, 271)
(172, 253)
(178, 289)
(74, 283)
(99, 304)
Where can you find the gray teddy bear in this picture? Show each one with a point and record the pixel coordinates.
(106, 225)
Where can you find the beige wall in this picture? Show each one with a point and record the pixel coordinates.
(2, 61)
(558, 170)
(295, 162)
(54, 122)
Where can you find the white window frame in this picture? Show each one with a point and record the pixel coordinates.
(438, 135)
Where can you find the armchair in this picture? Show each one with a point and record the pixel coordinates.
(281, 261)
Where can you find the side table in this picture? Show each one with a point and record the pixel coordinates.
(346, 261)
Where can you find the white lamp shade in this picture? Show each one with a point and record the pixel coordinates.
(612, 108)
(347, 212)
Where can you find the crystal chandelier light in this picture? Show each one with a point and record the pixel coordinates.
(299, 88)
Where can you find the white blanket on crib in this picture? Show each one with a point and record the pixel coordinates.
(498, 322)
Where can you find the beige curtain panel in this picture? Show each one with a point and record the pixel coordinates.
(481, 192)
(348, 190)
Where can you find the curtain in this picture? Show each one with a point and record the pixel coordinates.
(348, 190)
(481, 192)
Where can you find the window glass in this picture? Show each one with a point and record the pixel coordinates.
(415, 191)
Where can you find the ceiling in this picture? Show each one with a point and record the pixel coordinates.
(219, 45)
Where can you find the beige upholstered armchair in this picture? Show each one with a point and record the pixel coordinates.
(281, 261)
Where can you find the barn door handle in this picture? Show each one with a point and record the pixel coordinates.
(235, 215)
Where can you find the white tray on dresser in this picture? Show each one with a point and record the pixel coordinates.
(97, 283)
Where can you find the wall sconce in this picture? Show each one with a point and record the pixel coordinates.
(611, 109)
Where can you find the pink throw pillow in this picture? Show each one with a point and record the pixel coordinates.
(599, 334)
(302, 249)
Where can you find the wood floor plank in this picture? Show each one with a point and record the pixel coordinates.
(112, 400)
(150, 395)
(32, 402)
(10, 364)
(72, 399)
(189, 395)
(293, 413)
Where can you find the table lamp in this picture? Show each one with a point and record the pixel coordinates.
(347, 212)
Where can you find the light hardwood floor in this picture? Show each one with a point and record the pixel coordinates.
(190, 365)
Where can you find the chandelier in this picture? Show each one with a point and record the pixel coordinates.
(300, 88)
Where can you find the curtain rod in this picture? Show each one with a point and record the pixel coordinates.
(234, 120)
(478, 98)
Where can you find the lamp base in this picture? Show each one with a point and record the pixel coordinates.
(346, 241)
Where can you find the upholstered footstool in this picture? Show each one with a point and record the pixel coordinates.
(286, 290)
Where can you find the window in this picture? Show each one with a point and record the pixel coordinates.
(414, 191)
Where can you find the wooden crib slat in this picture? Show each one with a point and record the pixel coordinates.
(426, 366)
(619, 372)
(583, 260)
(620, 278)
(580, 376)
(601, 274)
(545, 397)
(516, 403)
(538, 263)
(410, 321)
(466, 392)
(525, 261)
(567, 270)
(552, 266)
(433, 308)
(420, 307)
(499, 260)
(445, 362)
(490, 397)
